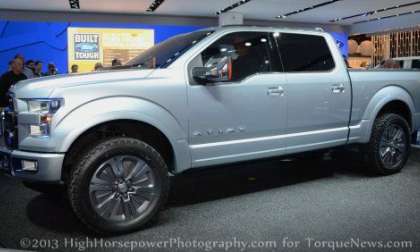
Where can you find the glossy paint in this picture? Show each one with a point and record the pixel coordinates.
(222, 123)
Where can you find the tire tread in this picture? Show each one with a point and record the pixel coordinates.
(84, 158)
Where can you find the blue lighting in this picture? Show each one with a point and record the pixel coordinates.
(47, 41)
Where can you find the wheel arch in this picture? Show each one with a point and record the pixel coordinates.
(139, 115)
(389, 99)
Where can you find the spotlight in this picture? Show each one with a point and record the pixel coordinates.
(155, 5)
(308, 8)
(74, 4)
(364, 14)
(233, 6)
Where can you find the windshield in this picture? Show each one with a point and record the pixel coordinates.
(163, 54)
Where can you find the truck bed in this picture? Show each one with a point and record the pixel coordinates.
(367, 83)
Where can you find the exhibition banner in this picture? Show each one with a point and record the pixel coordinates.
(89, 46)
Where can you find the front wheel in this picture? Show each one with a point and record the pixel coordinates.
(389, 146)
(119, 185)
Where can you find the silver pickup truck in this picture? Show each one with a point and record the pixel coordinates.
(201, 99)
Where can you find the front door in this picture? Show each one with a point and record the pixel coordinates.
(242, 116)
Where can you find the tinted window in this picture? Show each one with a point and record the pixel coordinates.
(301, 52)
(250, 52)
(416, 64)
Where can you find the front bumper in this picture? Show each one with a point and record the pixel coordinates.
(49, 165)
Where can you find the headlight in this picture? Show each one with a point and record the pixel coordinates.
(45, 108)
(44, 105)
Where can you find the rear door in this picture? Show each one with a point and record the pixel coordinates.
(318, 92)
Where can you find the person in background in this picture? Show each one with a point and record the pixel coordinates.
(26, 71)
(74, 69)
(19, 56)
(116, 62)
(98, 66)
(10, 78)
(29, 69)
(52, 70)
(38, 68)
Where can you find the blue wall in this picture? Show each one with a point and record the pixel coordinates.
(47, 41)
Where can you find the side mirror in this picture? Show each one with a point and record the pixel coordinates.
(216, 70)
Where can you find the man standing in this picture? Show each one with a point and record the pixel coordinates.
(29, 69)
(25, 70)
(10, 78)
(38, 68)
(52, 70)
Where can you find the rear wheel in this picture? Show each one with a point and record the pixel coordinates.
(119, 185)
(389, 146)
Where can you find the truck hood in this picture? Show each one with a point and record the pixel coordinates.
(43, 87)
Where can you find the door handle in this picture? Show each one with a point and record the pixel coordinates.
(338, 88)
(275, 91)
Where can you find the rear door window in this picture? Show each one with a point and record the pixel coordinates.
(304, 53)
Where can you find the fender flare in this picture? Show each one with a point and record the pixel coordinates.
(91, 114)
(378, 102)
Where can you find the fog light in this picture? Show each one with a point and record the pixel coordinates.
(29, 165)
(39, 130)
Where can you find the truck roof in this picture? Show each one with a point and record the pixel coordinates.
(316, 30)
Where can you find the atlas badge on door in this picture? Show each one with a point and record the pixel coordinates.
(218, 132)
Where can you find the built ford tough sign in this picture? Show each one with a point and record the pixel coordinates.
(201, 99)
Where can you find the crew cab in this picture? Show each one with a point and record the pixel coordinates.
(201, 99)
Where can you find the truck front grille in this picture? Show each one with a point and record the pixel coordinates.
(9, 125)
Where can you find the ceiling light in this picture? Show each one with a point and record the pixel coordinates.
(387, 17)
(307, 8)
(153, 6)
(74, 4)
(376, 12)
(233, 6)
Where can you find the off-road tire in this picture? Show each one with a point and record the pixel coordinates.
(371, 150)
(84, 168)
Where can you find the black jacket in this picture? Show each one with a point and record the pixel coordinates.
(6, 81)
